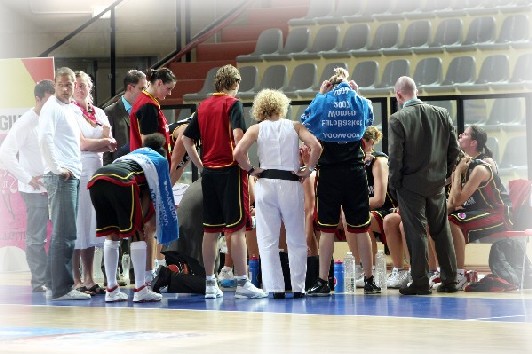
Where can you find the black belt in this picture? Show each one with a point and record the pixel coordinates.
(279, 174)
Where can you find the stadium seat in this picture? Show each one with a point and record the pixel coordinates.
(366, 74)
(274, 77)
(495, 70)
(317, 9)
(461, 71)
(270, 41)
(326, 39)
(449, 105)
(355, 38)
(493, 144)
(515, 153)
(304, 77)
(507, 111)
(342, 13)
(522, 75)
(416, 36)
(428, 72)
(392, 71)
(386, 36)
(207, 89)
(248, 77)
(475, 111)
(515, 32)
(481, 32)
(297, 41)
(448, 33)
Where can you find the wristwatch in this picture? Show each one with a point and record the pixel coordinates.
(251, 170)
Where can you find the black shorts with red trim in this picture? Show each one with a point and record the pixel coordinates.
(343, 188)
(476, 224)
(225, 199)
(379, 215)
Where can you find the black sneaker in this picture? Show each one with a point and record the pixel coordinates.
(279, 295)
(370, 287)
(161, 280)
(298, 295)
(320, 288)
(414, 290)
(447, 288)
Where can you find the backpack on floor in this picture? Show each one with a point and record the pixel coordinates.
(508, 260)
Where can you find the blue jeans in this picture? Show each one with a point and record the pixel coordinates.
(36, 230)
(63, 200)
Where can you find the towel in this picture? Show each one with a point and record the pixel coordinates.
(157, 174)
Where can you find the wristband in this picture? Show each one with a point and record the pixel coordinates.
(251, 170)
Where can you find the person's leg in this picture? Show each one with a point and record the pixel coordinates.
(268, 221)
(394, 239)
(36, 232)
(412, 207)
(63, 200)
(87, 260)
(76, 268)
(441, 234)
(459, 245)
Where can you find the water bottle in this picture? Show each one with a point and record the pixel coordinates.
(349, 273)
(254, 270)
(380, 270)
(338, 277)
(125, 266)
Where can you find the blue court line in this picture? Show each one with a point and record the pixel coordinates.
(387, 305)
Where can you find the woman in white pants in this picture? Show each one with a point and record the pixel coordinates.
(278, 192)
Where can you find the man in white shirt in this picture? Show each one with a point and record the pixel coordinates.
(59, 139)
(28, 169)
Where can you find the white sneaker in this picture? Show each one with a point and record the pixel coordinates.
(249, 291)
(461, 279)
(360, 281)
(74, 295)
(144, 294)
(212, 291)
(434, 279)
(226, 278)
(115, 295)
(397, 279)
(48, 294)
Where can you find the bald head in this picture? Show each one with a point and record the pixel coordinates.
(405, 89)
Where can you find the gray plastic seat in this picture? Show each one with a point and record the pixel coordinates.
(270, 41)
(274, 77)
(521, 75)
(326, 39)
(206, 90)
(249, 77)
(304, 77)
(495, 70)
(514, 153)
(448, 33)
(342, 13)
(507, 111)
(515, 32)
(366, 74)
(416, 36)
(392, 71)
(317, 9)
(297, 41)
(493, 144)
(326, 73)
(475, 111)
(428, 72)
(461, 71)
(481, 32)
(355, 38)
(386, 36)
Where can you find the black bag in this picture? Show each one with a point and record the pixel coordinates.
(506, 261)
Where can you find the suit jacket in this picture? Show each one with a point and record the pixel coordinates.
(119, 120)
(423, 148)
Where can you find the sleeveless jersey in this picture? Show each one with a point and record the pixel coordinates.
(278, 145)
(388, 201)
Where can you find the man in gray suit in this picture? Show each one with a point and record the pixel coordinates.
(118, 113)
(423, 152)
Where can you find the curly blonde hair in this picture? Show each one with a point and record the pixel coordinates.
(373, 133)
(340, 74)
(268, 102)
(226, 77)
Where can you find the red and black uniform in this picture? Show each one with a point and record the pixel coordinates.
(115, 191)
(487, 211)
(224, 183)
(146, 117)
(389, 203)
(342, 185)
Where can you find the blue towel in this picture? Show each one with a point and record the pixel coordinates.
(341, 115)
(157, 174)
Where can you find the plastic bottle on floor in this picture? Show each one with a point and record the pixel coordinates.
(349, 273)
(338, 277)
(380, 270)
